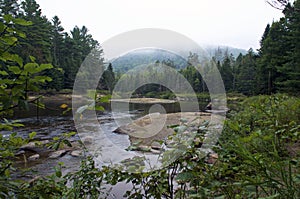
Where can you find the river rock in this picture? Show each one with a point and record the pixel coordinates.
(120, 130)
(145, 130)
(144, 148)
(77, 153)
(87, 140)
(156, 146)
(57, 154)
(155, 151)
(20, 152)
(33, 157)
(34, 146)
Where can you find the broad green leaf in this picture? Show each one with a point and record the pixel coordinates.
(15, 69)
(99, 108)
(31, 67)
(44, 67)
(6, 56)
(9, 40)
(41, 79)
(72, 133)
(20, 34)
(4, 73)
(17, 59)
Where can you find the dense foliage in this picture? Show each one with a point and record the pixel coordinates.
(47, 41)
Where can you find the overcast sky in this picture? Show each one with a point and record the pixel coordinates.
(236, 23)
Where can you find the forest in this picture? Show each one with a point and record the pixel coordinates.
(257, 155)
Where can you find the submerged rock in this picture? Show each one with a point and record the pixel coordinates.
(150, 128)
(35, 146)
(155, 151)
(77, 153)
(57, 154)
(33, 157)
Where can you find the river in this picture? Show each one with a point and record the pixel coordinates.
(51, 123)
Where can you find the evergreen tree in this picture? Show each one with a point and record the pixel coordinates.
(273, 55)
(289, 79)
(246, 78)
(9, 7)
(109, 78)
(38, 36)
(76, 48)
(57, 46)
(226, 72)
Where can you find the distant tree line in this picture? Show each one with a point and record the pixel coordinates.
(275, 68)
(47, 41)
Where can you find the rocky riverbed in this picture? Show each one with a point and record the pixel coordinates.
(156, 126)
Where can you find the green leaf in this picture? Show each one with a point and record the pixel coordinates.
(15, 69)
(32, 135)
(67, 142)
(6, 56)
(7, 18)
(9, 40)
(43, 67)
(72, 133)
(17, 59)
(41, 79)
(32, 58)
(31, 67)
(4, 73)
(99, 108)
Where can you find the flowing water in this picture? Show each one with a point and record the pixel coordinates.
(51, 123)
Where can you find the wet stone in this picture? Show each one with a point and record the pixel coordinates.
(34, 157)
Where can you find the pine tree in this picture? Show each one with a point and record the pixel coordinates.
(57, 46)
(109, 78)
(76, 48)
(273, 55)
(246, 78)
(289, 80)
(226, 72)
(38, 36)
(9, 7)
